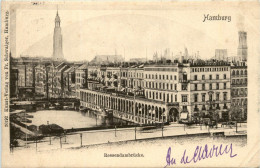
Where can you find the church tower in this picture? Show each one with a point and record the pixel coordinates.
(242, 46)
(57, 41)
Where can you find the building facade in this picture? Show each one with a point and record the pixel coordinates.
(239, 90)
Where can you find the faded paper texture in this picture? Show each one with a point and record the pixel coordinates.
(130, 84)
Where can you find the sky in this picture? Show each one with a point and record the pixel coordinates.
(132, 33)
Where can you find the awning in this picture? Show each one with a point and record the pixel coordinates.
(184, 115)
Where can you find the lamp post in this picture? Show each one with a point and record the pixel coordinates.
(25, 133)
(49, 134)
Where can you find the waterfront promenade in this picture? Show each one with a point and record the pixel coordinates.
(95, 137)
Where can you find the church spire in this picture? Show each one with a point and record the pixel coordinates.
(57, 40)
(57, 19)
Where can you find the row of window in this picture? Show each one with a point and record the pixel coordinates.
(239, 102)
(203, 97)
(167, 77)
(167, 97)
(239, 92)
(80, 81)
(164, 86)
(161, 69)
(241, 72)
(203, 86)
(239, 81)
(210, 107)
(132, 74)
(209, 69)
(195, 77)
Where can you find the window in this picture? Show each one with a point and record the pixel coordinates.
(225, 76)
(210, 77)
(217, 86)
(195, 87)
(159, 76)
(163, 77)
(203, 97)
(224, 96)
(176, 98)
(184, 98)
(203, 77)
(195, 77)
(225, 85)
(170, 77)
(184, 108)
(217, 96)
(210, 97)
(195, 98)
(225, 106)
(175, 77)
(184, 87)
(203, 86)
(171, 87)
(175, 86)
(167, 77)
(210, 86)
(217, 76)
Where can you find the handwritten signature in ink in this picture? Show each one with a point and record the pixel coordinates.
(200, 153)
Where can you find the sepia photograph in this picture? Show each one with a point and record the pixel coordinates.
(109, 84)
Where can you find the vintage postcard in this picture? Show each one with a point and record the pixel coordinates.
(130, 84)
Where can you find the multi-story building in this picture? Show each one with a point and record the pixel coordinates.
(210, 90)
(52, 85)
(58, 80)
(41, 80)
(81, 78)
(161, 84)
(69, 81)
(239, 90)
(136, 79)
(26, 75)
(112, 77)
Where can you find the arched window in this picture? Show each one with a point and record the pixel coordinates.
(241, 72)
(237, 72)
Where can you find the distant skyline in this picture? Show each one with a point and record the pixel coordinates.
(87, 33)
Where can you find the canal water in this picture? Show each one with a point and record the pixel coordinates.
(73, 119)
